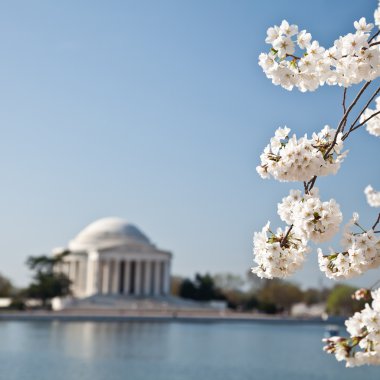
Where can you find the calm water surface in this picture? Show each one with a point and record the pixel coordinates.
(167, 351)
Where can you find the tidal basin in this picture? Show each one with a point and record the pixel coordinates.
(57, 350)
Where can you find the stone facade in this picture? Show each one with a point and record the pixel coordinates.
(111, 256)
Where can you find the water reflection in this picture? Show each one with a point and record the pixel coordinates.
(166, 351)
(88, 340)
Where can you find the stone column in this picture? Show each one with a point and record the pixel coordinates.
(92, 273)
(72, 273)
(100, 281)
(115, 276)
(76, 276)
(106, 277)
(68, 270)
(137, 278)
(147, 278)
(96, 274)
(157, 278)
(127, 276)
(166, 285)
(82, 277)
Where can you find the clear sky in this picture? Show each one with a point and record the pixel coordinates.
(156, 111)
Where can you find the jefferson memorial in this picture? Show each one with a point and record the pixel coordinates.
(112, 256)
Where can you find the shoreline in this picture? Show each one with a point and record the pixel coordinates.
(181, 316)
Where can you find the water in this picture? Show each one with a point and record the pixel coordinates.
(167, 351)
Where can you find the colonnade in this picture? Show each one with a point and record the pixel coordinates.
(96, 275)
(133, 277)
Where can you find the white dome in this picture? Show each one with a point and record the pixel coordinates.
(107, 233)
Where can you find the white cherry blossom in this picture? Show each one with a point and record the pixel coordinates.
(272, 34)
(362, 26)
(291, 159)
(303, 39)
(363, 345)
(288, 30)
(373, 196)
(284, 45)
(376, 16)
(361, 252)
(349, 61)
(311, 218)
(278, 254)
(372, 125)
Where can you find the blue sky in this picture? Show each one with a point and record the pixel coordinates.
(156, 111)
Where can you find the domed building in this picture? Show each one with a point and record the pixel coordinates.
(112, 256)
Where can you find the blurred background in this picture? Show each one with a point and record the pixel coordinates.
(157, 112)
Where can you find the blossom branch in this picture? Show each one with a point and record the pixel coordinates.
(359, 125)
(311, 184)
(344, 118)
(285, 238)
(344, 106)
(352, 105)
(343, 122)
(353, 60)
(293, 56)
(374, 36)
(377, 222)
(344, 100)
(366, 106)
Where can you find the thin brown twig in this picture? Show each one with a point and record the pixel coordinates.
(310, 184)
(359, 125)
(344, 106)
(293, 56)
(374, 43)
(377, 222)
(344, 100)
(342, 122)
(366, 106)
(283, 240)
(360, 93)
(374, 36)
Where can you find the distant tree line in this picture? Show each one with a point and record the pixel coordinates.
(254, 294)
(6, 288)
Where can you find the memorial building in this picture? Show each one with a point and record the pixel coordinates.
(113, 257)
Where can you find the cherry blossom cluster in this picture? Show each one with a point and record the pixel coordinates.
(377, 16)
(373, 124)
(373, 196)
(352, 58)
(278, 254)
(290, 159)
(311, 218)
(361, 252)
(363, 345)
